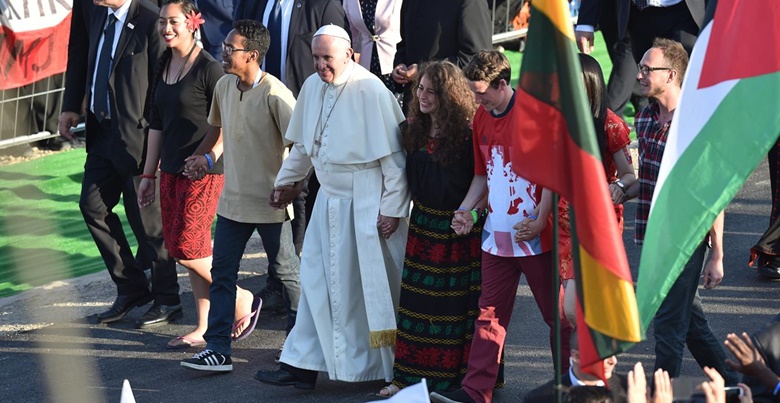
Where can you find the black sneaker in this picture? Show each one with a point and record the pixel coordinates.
(272, 301)
(453, 396)
(208, 360)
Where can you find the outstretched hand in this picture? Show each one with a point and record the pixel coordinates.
(713, 389)
(637, 385)
(749, 360)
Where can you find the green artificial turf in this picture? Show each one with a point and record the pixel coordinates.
(42, 234)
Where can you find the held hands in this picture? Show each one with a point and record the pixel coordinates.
(386, 225)
(403, 74)
(618, 194)
(462, 222)
(284, 195)
(195, 167)
(146, 192)
(68, 120)
(528, 229)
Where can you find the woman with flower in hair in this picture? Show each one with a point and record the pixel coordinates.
(441, 279)
(182, 90)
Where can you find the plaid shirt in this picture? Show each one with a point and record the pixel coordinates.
(652, 141)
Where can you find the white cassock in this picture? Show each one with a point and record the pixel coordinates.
(350, 275)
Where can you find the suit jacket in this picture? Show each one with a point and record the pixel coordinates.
(590, 10)
(454, 30)
(137, 51)
(307, 17)
(219, 14)
(618, 385)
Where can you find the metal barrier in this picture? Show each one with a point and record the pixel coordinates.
(30, 113)
(502, 13)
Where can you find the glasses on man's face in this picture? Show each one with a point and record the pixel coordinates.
(645, 70)
(228, 50)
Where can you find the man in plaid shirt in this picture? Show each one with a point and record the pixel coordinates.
(680, 320)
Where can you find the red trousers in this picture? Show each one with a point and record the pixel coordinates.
(500, 278)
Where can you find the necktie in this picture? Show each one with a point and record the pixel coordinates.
(641, 4)
(273, 59)
(100, 97)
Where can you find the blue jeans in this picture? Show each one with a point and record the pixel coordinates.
(230, 240)
(680, 320)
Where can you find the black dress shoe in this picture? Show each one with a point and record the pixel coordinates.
(281, 377)
(273, 302)
(122, 305)
(159, 315)
(770, 273)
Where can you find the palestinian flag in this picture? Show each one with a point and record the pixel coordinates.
(555, 146)
(727, 119)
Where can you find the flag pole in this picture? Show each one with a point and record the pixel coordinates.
(557, 364)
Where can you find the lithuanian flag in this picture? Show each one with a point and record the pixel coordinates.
(555, 146)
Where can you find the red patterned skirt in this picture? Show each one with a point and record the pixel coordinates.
(188, 210)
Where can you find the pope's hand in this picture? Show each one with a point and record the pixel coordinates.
(386, 225)
(284, 195)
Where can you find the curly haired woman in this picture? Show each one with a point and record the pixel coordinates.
(441, 280)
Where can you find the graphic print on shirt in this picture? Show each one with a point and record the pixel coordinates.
(511, 199)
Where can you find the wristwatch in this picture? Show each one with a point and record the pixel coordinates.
(621, 185)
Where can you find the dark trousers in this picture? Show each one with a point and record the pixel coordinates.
(500, 278)
(622, 84)
(674, 22)
(680, 321)
(768, 247)
(101, 188)
(230, 238)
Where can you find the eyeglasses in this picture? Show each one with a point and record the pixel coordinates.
(228, 50)
(645, 70)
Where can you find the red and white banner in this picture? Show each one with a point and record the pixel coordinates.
(33, 41)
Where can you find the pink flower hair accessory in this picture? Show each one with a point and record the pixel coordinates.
(194, 21)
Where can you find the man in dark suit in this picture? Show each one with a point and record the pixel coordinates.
(453, 30)
(617, 384)
(292, 24)
(291, 50)
(645, 20)
(114, 46)
(622, 84)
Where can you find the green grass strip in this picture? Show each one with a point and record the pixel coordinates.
(43, 237)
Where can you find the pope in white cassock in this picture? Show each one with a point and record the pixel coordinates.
(345, 125)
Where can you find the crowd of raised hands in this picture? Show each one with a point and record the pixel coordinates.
(711, 391)
(747, 360)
